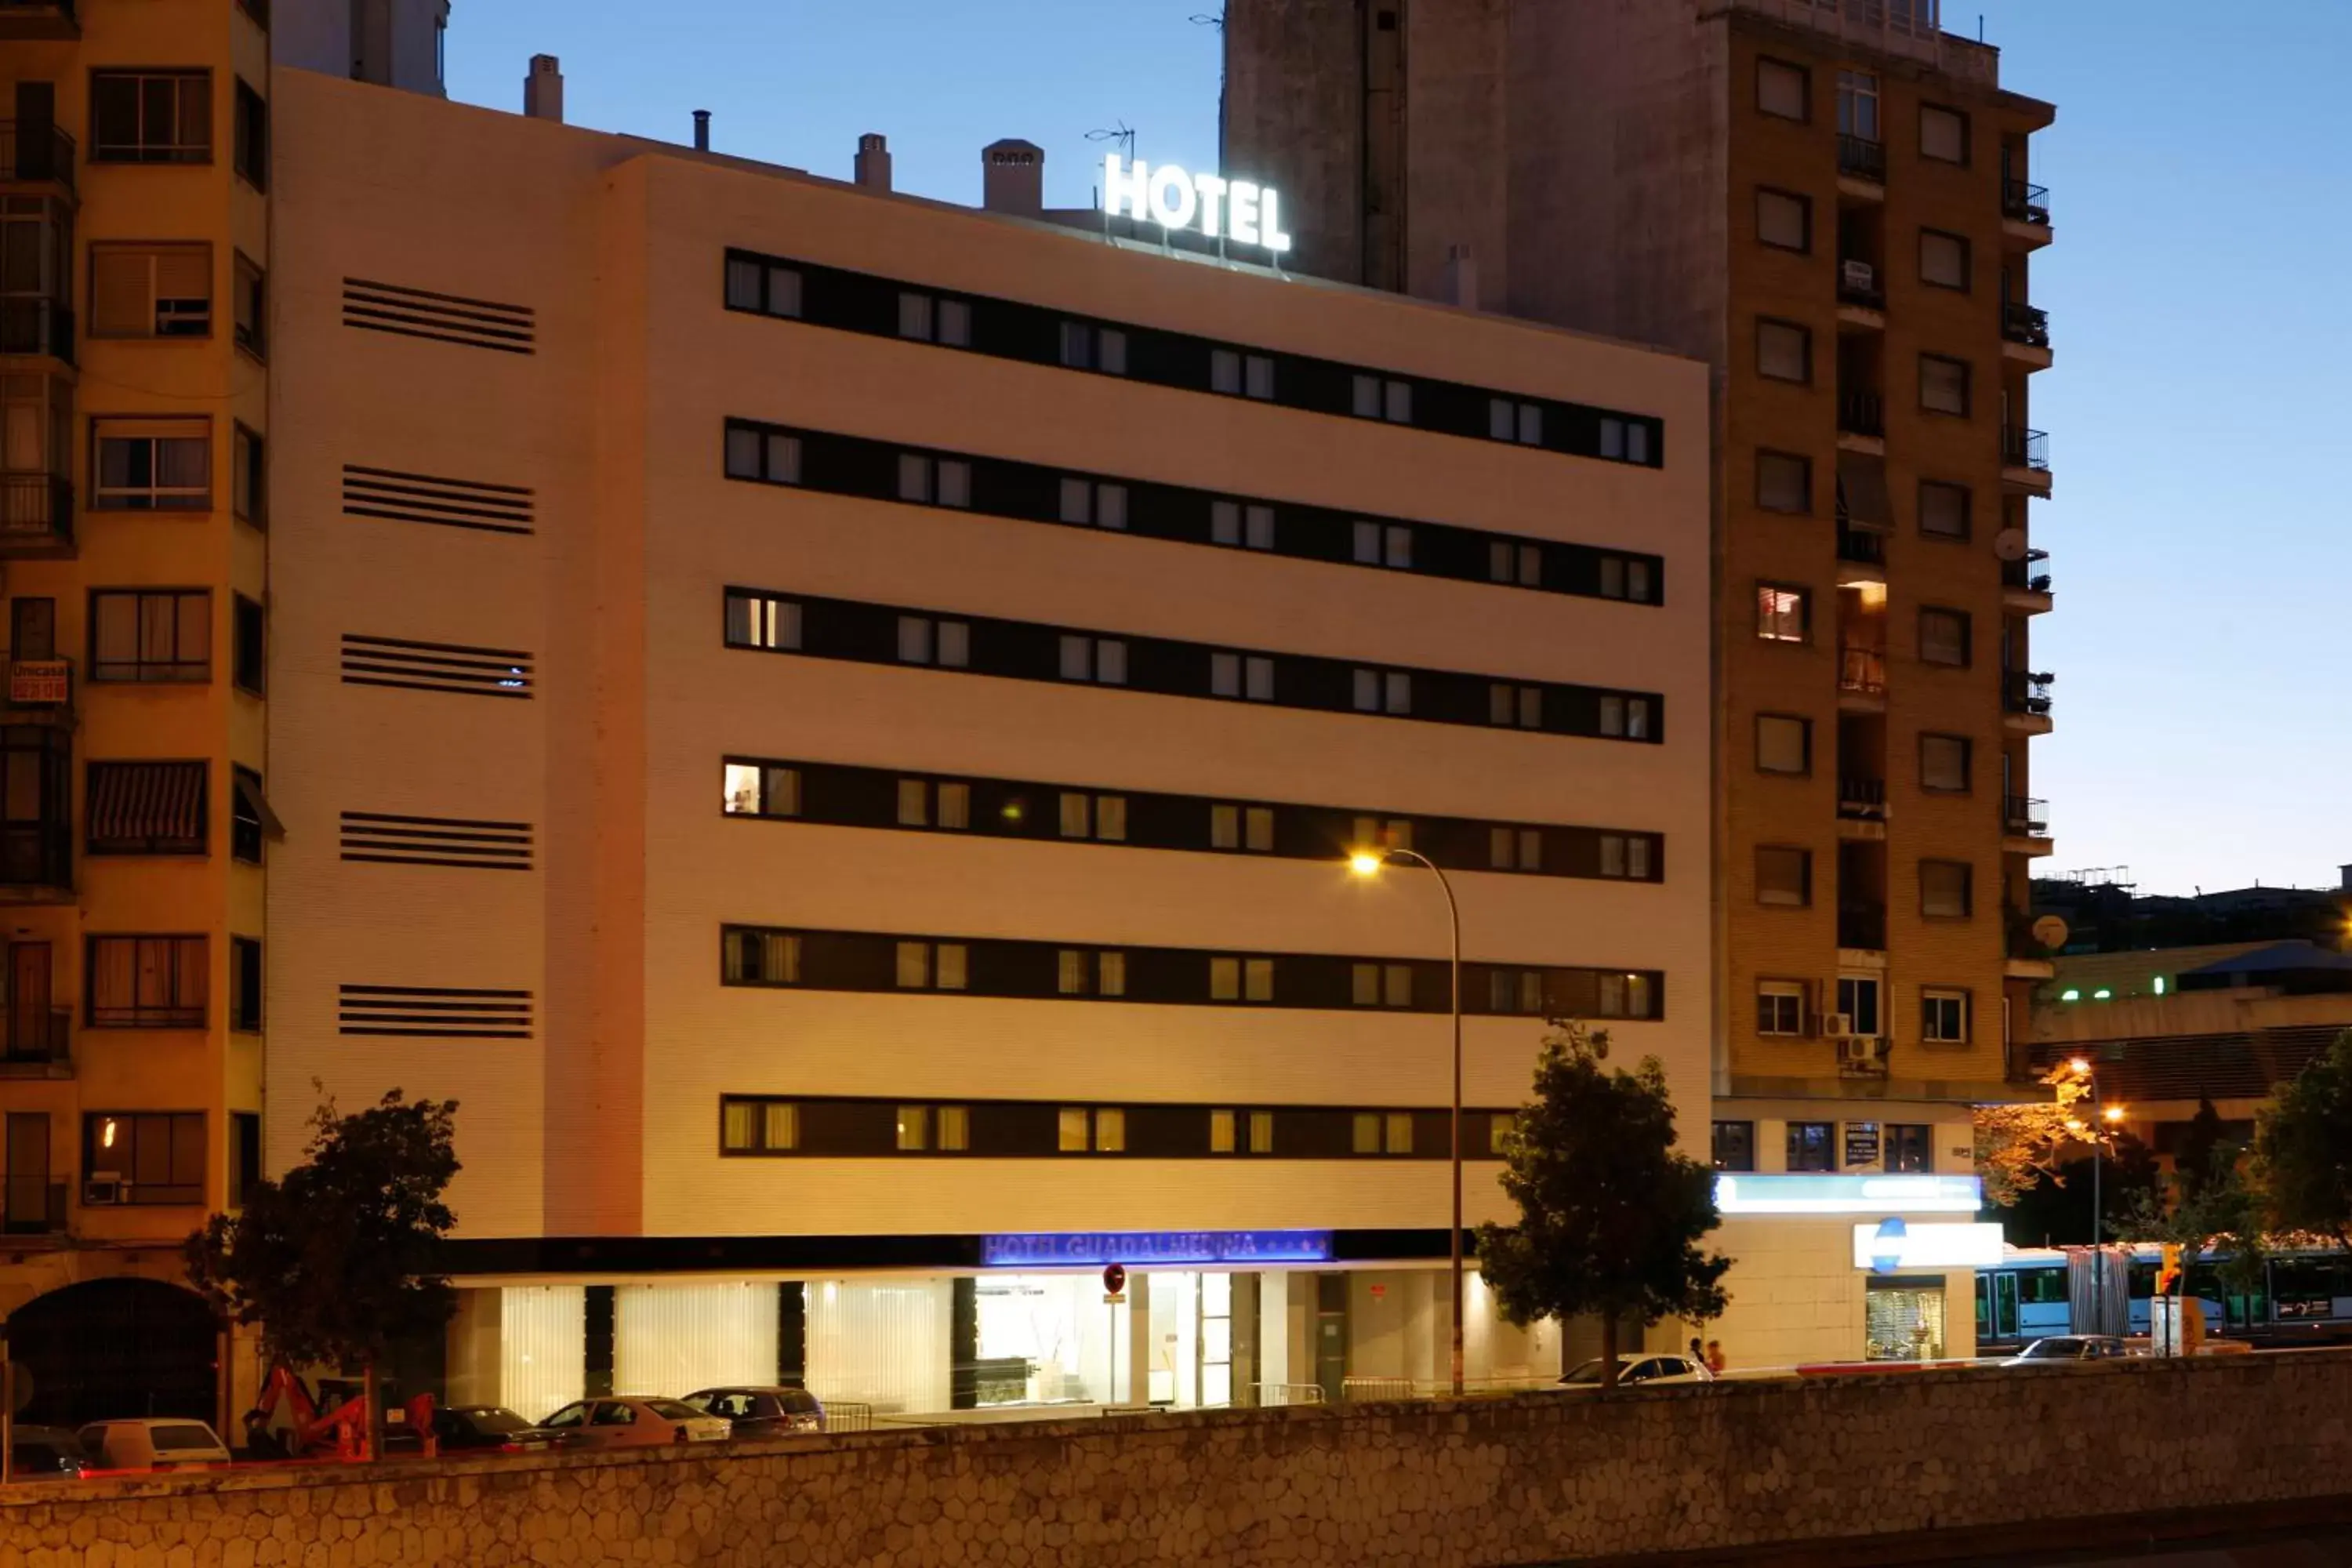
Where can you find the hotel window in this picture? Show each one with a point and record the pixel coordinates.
(248, 314)
(1091, 504)
(1102, 660)
(1944, 763)
(923, 804)
(1625, 440)
(1812, 1146)
(769, 290)
(1238, 374)
(1943, 134)
(1626, 718)
(1500, 1127)
(1518, 849)
(953, 1124)
(1944, 1017)
(1510, 990)
(1388, 544)
(159, 1155)
(150, 117)
(1784, 877)
(1783, 220)
(934, 482)
(759, 958)
(1780, 1007)
(1094, 816)
(931, 965)
(161, 635)
(1221, 1132)
(1246, 676)
(1944, 261)
(1625, 855)
(1110, 1130)
(1071, 1130)
(1245, 828)
(1086, 346)
(1783, 482)
(1943, 384)
(1627, 995)
(768, 455)
(151, 291)
(922, 640)
(758, 620)
(914, 1128)
(1943, 510)
(248, 478)
(1783, 615)
(1508, 561)
(1510, 420)
(1946, 889)
(1783, 90)
(1240, 980)
(1374, 833)
(758, 1126)
(1106, 1125)
(1084, 973)
(148, 982)
(759, 789)
(1378, 399)
(1383, 691)
(153, 465)
(1784, 350)
(1382, 1132)
(1783, 744)
(1622, 578)
(1910, 1149)
(925, 318)
(1944, 637)
(1514, 707)
(1242, 526)
(1382, 985)
(1735, 1146)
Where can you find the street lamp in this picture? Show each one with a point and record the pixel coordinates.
(1368, 863)
(2113, 1116)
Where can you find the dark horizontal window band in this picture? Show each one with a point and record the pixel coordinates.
(831, 464)
(769, 621)
(1010, 329)
(837, 794)
(918, 963)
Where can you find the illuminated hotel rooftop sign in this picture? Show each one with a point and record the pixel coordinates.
(1173, 199)
(1848, 1195)
(1078, 1248)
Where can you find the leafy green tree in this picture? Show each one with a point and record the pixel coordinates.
(2303, 1147)
(340, 1260)
(1611, 1215)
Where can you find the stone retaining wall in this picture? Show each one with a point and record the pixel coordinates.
(1537, 1479)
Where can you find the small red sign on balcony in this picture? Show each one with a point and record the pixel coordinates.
(39, 682)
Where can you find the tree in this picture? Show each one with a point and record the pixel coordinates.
(2203, 1156)
(1610, 1215)
(2056, 1212)
(339, 1261)
(2302, 1148)
(2017, 1145)
(2216, 1208)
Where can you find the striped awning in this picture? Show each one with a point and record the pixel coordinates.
(146, 803)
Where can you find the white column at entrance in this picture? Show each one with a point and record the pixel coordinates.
(1137, 1387)
(1274, 1330)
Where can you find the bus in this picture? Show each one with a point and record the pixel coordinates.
(2305, 1297)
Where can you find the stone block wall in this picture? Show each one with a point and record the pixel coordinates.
(1541, 1479)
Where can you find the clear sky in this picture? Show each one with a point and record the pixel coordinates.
(2196, 414)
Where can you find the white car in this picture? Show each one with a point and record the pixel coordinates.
(627, 1421)
(152, 1443)
(1637, 1369)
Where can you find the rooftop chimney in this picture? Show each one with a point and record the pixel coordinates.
(873, 161)
(2346, 870)
(542, 90)
(1460, 277)
(1012, 177)
(702, 131)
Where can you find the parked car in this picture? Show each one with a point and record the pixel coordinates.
(152, 1443)
(2070, 1347)
(629, 1422)
(43, 1453)
(761, 1412)
(476, 1428)
(1638, 1369)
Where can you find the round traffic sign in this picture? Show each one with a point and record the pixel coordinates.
(1115, 1278)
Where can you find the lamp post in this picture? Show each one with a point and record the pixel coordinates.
(2111, 1115)
(1368, 863)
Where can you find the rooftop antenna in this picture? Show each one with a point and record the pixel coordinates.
(1124, 134)
(1204, 19)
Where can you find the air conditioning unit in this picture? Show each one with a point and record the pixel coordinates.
(1837, 1026)
(102, 1189)
(1861, 276)
(1861, 1051)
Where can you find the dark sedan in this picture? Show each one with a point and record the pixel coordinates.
(45, 1454)
(472, 1428)
(761, 1412)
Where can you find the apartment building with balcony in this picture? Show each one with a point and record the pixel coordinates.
(1833, 203)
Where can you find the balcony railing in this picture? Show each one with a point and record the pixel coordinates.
(2026, 576)
(2024, 816)
(37, 326)
(2025, 324)
(1862, 414)
(35, 509)
(2027, 694)
(35, 150)
(1861, 799)
(36, 855)
(1863, 926)
(44, 1039)
(2026, 203)
(2023, 448)
(1861, 546)
(33, 1205)
(1862, 671)
(1858, 285)
(1863, 158)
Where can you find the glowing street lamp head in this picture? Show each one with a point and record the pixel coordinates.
(1366, 862)
(2079, 1067)
(2112, 1114)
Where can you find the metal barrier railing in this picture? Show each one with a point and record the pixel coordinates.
(1276, 1395)
(849, 1415)
(1364, 1390)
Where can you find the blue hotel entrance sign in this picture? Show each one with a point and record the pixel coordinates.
(1078, 1248)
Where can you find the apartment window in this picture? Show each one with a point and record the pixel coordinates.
(1944, 763)
(762, 287)
(1086, 346)
(1910, 1148)
(1379, 544)
(1943, 133)
(248, 476)
(1508, 419)
(760, 957)
(245, 985)
(159, 634)
(1858, 105)
(1246, 828)
(1944, 636)
(1733, 1145)
(1102, 660)
(1239, 375)
(1812, 1146)
(1783, 89)
(1943, 384)
(759, 1126)
(153, 465)
(1383, 691)
(1783, 615)
(922, 640)
(1514, 707)
(158, 1154)
(1784, 350)
(1780, 1007)
(150, 117)
(1246, 676)
(1943, 510)
(252, 137)
(770, 457)
(1092, 504)
(1784, 483)
(244, 1155)
(148, 982)
(1240, 980)
(760, 620)
(1521, 849)
(249, 660)
(146, 808)
(1943, 259)
(248, 314)
(1625, 440)
(1784, 877)
(1944, 1017)
(248, 815)
(762, 789)
(930, 319)
(1625, 718)
(1783, 220)
(1378, 398)
(1946, 889)
(1783, 744)
(1243, 527)
(1511, 562)
(934, 482)
(1626, 855)
(1624, 577)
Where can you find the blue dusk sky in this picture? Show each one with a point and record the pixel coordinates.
(2204, 736)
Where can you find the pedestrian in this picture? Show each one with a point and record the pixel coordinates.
(1714, 1357)
(1698, 1362)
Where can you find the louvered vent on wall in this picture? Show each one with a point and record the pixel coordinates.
(436, 841)
(404, 497)
(436, 667)
(444, 318)
(441, 1011)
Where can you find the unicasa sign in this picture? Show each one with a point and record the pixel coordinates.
(1211, 204)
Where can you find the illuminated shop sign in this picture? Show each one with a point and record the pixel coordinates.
(1890, 1247)
(1173, 199)
(1848, 1195)
(1149, 1246)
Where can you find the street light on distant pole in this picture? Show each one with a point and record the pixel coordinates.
(1368, 863)
(2113, 1116)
